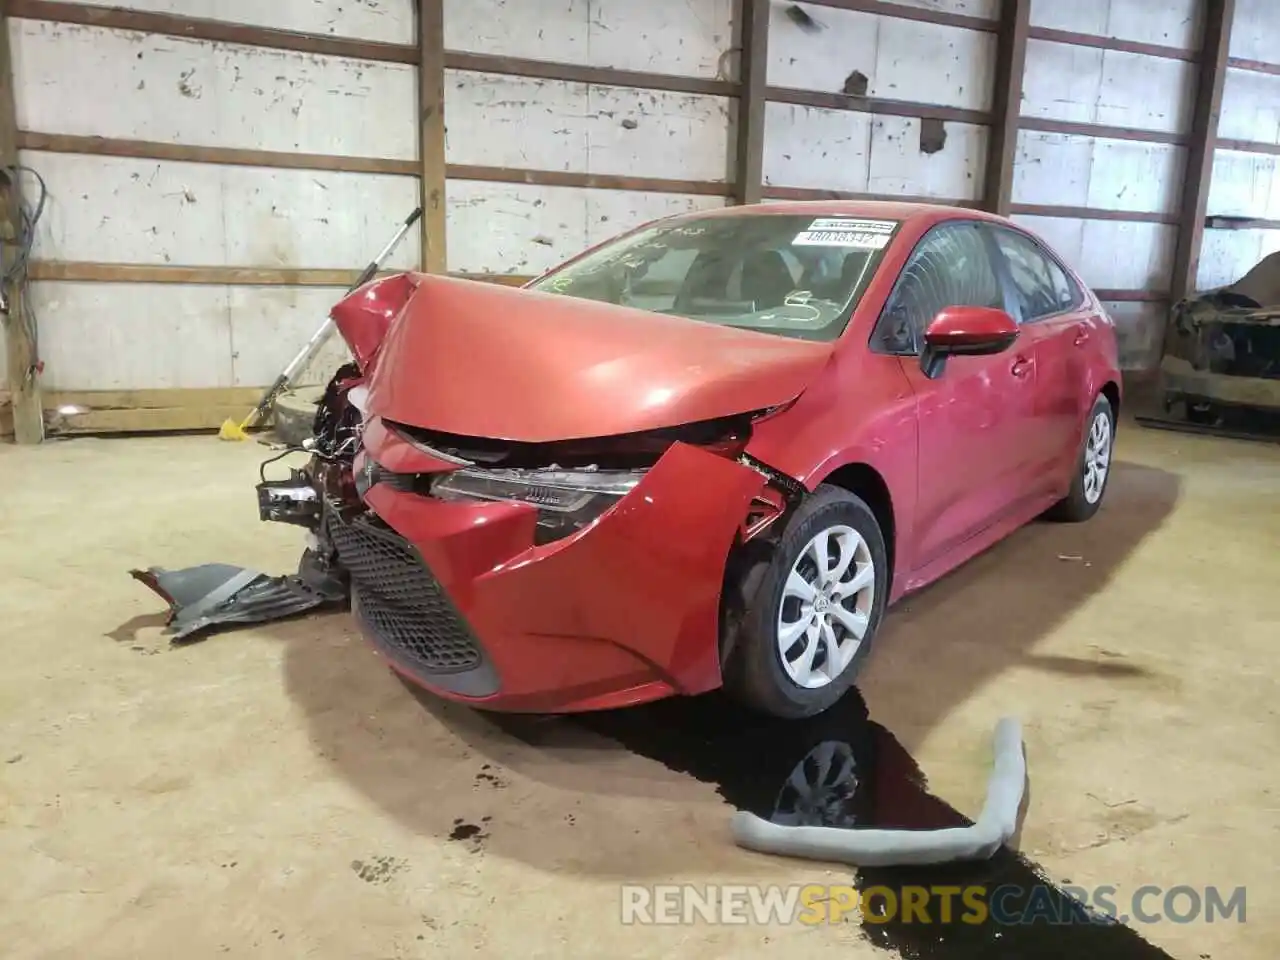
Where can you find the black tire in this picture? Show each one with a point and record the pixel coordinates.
(1076, 506)
(755, 675)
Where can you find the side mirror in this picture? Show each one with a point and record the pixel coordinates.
(965, 332)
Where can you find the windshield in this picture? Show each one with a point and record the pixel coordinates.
(796, 276)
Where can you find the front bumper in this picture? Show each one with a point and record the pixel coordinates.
(460, 600)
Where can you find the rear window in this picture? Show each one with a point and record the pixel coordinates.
(796, 276)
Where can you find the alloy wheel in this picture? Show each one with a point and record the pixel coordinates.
(826, 606)
(1097, 457)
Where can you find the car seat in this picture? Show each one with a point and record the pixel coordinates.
(766, 280)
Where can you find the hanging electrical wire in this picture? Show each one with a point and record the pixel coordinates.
(15, 257)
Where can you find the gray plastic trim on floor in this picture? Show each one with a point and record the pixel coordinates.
(997, 822)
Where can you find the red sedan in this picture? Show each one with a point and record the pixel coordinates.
(712, 451)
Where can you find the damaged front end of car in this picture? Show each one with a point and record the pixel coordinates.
(208, 596)
(433, 538)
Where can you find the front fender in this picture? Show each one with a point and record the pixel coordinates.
(862, 414)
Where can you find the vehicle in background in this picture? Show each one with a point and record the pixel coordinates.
(1221, 356)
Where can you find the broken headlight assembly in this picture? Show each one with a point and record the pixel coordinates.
(567, 500)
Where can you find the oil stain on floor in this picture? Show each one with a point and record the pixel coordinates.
(842, 769)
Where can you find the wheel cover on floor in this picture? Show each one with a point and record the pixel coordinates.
(1097, 457)
(826, 607)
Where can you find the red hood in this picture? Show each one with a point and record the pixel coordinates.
(484, 360)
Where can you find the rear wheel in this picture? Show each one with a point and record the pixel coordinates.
(1093, 467)
(810, 621)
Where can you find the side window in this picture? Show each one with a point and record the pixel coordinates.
(950, 267)
(1041, 286)
(1064, 287)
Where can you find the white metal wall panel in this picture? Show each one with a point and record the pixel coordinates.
(1111, 254)
(138, 336)
(523, 229)
(505, 121)
(1255, 34)
(1087, 85)
(1244, 185)
(1069, 170)
(389, 21)
(1250, 107)
(681, 37)
(1227, 255)
(813, 147)
(1168, 23)
(125, 336)
(196, 214)
(889, 51)
(899, 167)
(268, 327)
(195, 92)
(843, 150)
(984, 9)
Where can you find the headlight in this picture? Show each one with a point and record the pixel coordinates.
(567, 500)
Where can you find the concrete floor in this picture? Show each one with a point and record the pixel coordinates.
(277, 793)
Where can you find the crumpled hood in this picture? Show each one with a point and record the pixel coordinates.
(484, 360)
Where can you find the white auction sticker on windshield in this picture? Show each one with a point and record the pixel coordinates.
(846, 232)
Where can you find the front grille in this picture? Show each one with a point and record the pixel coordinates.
(400, 599)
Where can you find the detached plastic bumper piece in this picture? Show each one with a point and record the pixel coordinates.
(219, 594)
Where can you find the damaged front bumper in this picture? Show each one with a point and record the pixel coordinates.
(461, 597)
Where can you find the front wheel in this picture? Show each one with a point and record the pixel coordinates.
(1093, 467)
(811, 619)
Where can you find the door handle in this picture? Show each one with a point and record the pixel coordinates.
(1082, 335)
(1022, 366)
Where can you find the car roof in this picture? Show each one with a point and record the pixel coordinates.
(880, 209)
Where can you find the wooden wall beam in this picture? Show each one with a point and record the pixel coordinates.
(1092, 213)
(1132, 296)
(23, 371)
(877, 105)
(1249, 146)
(818, 193)
(92, 272)
(1071, 38)
(431, 134)
(1254, 66)
(753, 16)
(81, 271)
(1218, 18)
(581, 73)
(1006, 104)
(193, 153)
(1103, 131)
(593, 181)
(920, 14)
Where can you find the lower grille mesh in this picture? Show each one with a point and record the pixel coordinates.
(399, 598)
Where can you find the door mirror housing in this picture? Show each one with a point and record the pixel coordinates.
(965, 332)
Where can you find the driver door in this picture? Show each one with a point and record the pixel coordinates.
(976, 420)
